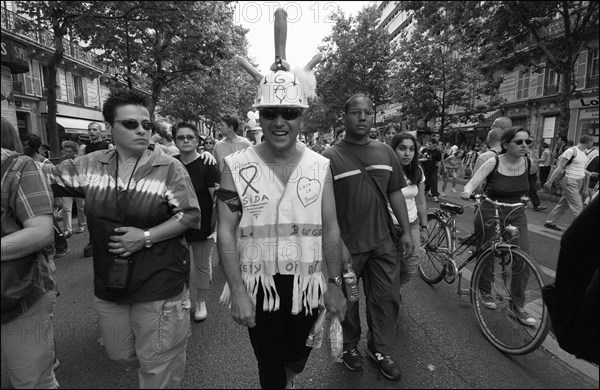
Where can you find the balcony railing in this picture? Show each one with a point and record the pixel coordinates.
(18, 87)
(11, 22)
(552, 89)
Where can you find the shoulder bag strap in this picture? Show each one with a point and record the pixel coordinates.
(380, 196)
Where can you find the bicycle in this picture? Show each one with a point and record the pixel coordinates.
(496, 263)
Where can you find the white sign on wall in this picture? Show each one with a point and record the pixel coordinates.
(549, 126)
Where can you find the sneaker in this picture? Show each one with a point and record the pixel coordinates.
(62, 253)
(200, 312)
(539, 208)
(436, 199)
(352, 359)
(80, 230)
(88, 251)
(552, 226)
(522, 316)
(67, 233)
(56, 364)
(387, 365)
(454, 190)
(488, 302)
(443, 194)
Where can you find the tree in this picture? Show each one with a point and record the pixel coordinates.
(58, 17)
(208, 95)
(527, 33)
(431, 73)
(356, 56)
(162, 41)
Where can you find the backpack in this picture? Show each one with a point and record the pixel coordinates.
(572, 300)
(567, 164)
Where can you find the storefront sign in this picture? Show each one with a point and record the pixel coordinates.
(584, 102)
(588, 113)
(14, 55)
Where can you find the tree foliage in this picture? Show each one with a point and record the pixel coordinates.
(526, 33)
(356, 57)
(58, 17)
(163, 41)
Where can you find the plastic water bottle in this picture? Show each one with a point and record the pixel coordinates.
(336, 338)
(351, 285)
(315, 337)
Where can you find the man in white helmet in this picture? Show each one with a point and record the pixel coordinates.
(272, 257)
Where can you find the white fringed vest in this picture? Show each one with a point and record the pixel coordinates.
(280, 230)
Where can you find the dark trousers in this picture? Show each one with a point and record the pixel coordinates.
(279, 337)
(520, 274)
(379, 270)
(535, 200)
(544, 173)
(60, 242)
(431, 181)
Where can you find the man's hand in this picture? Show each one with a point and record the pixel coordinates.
(243, 309)
(424, 234)
(407, 244)
(465, 195)
(548, 185)
(208, 158)
(335, 301)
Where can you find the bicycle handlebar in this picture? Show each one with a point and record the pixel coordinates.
(495, 203)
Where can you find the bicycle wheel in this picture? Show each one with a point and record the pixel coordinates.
(431, 261)
(506, 292)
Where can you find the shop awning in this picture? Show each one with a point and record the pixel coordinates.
(488, 118)
(14, 55)
(76, 126)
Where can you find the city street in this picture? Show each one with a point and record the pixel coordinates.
(439, 342)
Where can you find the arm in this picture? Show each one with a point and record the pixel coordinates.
(208, 158)
(478, 178)
(398, 204)
(37, 233)
(243, 309)
(333, 251)
(562, 162)
(422, 211)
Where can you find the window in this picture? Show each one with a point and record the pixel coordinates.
(592, 76)
(78, 87)
(523, 85)
(552, 82)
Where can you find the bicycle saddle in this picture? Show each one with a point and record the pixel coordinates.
(453, 208)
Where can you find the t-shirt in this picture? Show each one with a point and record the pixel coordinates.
(225, 147)
(576, 169)
(361, 218)
(483, 157)
(410, 193)
(203, 177)
(92, 147)
(432, 156)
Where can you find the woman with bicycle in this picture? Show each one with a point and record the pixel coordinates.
(405, 146)
(507, 180)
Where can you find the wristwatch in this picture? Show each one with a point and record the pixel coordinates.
(147, 239)
(337, 280)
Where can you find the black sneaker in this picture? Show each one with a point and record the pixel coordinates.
(88, 251)
(61, 253)
(352, 359)
(552, 226)
(539, 208)
(387, 365)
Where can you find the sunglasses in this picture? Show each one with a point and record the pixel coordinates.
(519, 142)
(132, 124)
(288, 114)
(209, 143)
(185, 137)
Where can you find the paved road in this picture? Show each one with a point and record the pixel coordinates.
(439, 343)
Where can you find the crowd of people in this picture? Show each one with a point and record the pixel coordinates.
(287, 219)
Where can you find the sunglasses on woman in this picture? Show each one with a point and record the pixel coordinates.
(288, 114)
(519, 142)
(185, 137)
(132, 124)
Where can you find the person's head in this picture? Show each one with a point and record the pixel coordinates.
(31, 144)
(545, 145)
(586, 140)
(428, 145)
(163, 131)
(502, 123)
(186, 137)
(435, 137)
(10, 137)
(209, 143)
(358, 116)
(453, 149)
(562, 140)
(94, 131)
(70, 149)
(390, 131)
(228, 125)
(280, 125)
(405, 146)
(128, 119)
(494, 136)
(515, 141)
